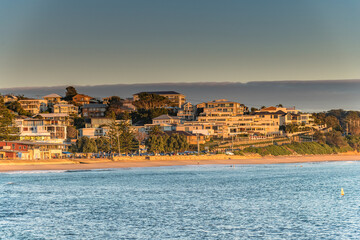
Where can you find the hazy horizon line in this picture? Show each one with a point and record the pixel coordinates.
(188, 83)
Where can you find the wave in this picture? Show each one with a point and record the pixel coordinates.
(34, 172)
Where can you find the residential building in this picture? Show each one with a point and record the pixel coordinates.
(221, 107)
(32, 150)
(276, 109)
(9, 98)
(33, 106)
(305, 119)
(94, 132)
(13, 150)
(176, 99)
(81, 99)
(187, 112)
(66, 108)
(166, 119)
(48, 129)
(93, 110)
(52, 99)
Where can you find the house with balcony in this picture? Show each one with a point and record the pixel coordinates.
(81, 99)
(34, 106)
(221, 107)
(93, 110)
(68, 109)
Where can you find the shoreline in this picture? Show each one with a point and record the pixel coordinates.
(87, 164)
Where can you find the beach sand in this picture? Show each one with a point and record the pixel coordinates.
(83, 164)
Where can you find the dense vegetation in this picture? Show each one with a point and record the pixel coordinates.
(8, 131)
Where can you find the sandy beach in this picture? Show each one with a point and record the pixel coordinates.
(83, 164)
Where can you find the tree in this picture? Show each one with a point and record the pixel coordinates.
(8, 131)
(71, 132)
(279, 105)
(115, 107)
(121, 137)
(319, 137)
(70, 93)
(254, 109)
(140, 137)
(150, 101)
(103, 144)
(86, 145)
(145, 116)
(16, 107)
(79, 122)
(334, 138)
(333, 122)
(160, 143)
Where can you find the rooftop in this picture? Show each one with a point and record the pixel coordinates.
(166, 116)
(53, 95)
(159, 92)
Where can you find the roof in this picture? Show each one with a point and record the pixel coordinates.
(159, 92)
(82, 95)
(166, 116)
(54, 114)
(268, 109)
(53, 95)
(38, 143)
(94, 105)
(65, 105)
(270, 113)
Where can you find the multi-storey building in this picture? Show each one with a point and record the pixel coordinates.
(51, 128)
(52, 99)
(33, 106)
(187, 112)
(166, 119)
(31, 150)
(93, 110)
(176, 99)
(221, 107)
(287, 115)
(81, 99)
(66, 108)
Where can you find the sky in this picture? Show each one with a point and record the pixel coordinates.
(48, 43)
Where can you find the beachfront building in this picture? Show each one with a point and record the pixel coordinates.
(176, 99)
(14, 150)
(32, 150)
(93, 110)
(33, 106)
(50, 128)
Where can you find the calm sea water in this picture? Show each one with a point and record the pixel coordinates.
(284, 201)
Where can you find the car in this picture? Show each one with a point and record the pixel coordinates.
(229, 153)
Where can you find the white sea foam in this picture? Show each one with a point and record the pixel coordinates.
(35, 172)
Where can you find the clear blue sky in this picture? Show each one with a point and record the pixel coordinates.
(60, 42)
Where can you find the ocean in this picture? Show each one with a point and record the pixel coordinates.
(280, 201)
